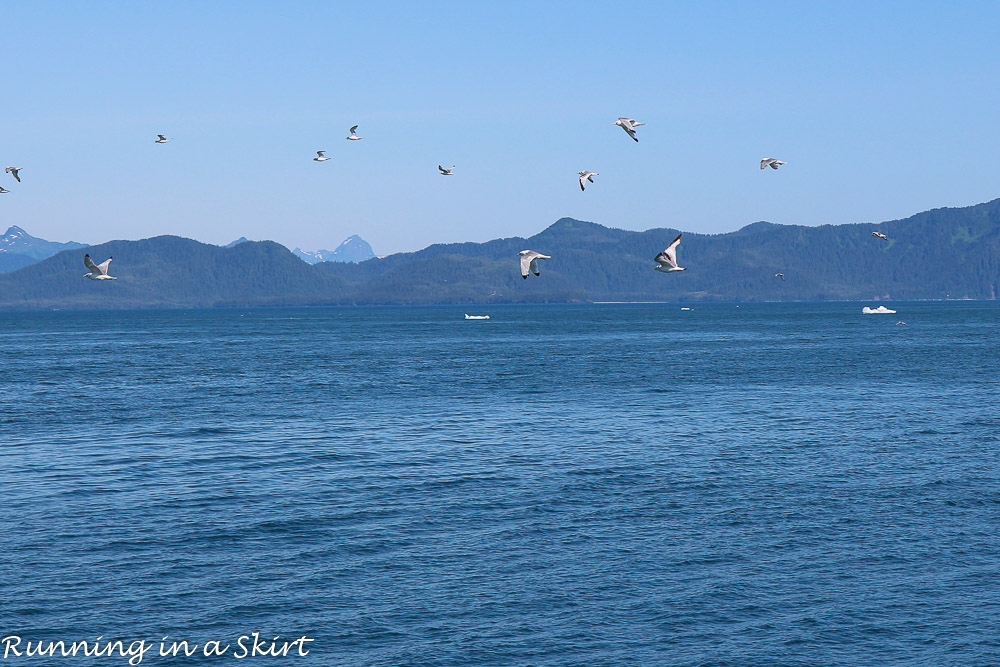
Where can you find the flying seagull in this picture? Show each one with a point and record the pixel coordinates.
(446, 172)
(880, 235)
(320, 157)
(160, 139)
(901, 322)
(666, 261)
(13, 172)
(97, 271)
(771, 162)
(629, 125)
(586, 176)
(779, 275)
(529, 262)
(354, 135)
(3, 191)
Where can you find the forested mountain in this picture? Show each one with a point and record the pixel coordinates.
(944, 253)
(937, 254)
(168, 272)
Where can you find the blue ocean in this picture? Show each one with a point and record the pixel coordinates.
(594, 484)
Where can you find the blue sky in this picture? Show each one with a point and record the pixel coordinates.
(880, 111)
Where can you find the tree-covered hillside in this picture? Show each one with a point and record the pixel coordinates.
(167, 272)
(944, 253)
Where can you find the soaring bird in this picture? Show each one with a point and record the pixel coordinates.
(3, 191)
(629, 125)
(779, 275)
(586, 176)
(666, 261)
(529, 262)
(160, 139)
(880, 235)
(446, 172)
(13, 172)
(97, 271)
(320, 157)
(354, 135)
(771, 162)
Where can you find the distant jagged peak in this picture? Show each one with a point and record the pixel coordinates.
(17, 240)
(353, 238)
(238, 241)
(353, 249)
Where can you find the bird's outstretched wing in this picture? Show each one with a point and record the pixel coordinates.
(526, 261)
(668, 257)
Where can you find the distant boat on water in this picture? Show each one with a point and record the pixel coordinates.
(876, 311)
(476, 317)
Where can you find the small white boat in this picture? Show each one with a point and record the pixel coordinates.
(476, 317)
(876, 311)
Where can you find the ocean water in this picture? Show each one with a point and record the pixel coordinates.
(601, 484)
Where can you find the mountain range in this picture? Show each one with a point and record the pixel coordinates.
(943, 253)
(18, 249)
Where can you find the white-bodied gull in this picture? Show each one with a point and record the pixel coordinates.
(3, 191)
(13, 172)
(586, 176)
(771, 162)
(320, 157)
(354, 135)
(160, 139)
(97, 271)
(666, 261)
(446, 172)
(779, 275)
(629, 125)
(880, 235)
(529, 262)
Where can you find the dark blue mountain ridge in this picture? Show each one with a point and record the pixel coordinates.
(943, 253)
(946, 252)
(170, 272)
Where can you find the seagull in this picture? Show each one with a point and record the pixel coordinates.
(666, 261)
(446, 172)
(880, 235)
(771, 162)
(13, 172)
(161, 139)
(97, 271)
(629, 125)
(354, 136)
(529, 262)
(779, 275)
(586, 176)
(320, 157)
(901, 322)
(3, 191)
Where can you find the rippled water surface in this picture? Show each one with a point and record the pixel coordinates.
(768, 484)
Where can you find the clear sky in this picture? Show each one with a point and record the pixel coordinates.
(881, 110)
